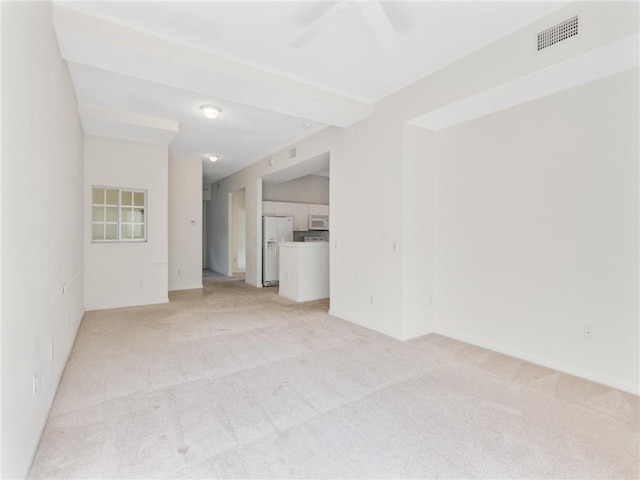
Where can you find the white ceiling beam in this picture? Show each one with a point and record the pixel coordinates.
(106, 45)
(127, 126)
(599, 63)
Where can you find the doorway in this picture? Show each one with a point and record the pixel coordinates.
(238, 230)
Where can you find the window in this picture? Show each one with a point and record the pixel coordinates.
(118, 215)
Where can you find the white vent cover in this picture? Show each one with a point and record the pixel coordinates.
(558, 33)
(292, 153)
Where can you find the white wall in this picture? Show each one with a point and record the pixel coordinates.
(307, 189)
(123, 274)
(386, 163)
(185, 236)
(366, 222)
(383, 245)
(537, 231)
(42, 218)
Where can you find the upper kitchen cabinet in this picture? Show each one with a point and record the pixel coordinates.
(318, 209)
(269, 208)
(302, 219)
(286, 209)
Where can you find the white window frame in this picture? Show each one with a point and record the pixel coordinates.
(119, 219)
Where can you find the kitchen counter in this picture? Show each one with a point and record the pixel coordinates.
(304, 270)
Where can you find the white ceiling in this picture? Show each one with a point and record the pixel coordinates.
(163, 59)
(240, 136)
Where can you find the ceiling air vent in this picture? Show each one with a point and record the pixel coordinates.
(558, 33)
(292, 153)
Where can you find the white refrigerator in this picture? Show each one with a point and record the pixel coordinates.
(274, 231)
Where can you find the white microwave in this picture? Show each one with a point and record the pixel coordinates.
(318, 222)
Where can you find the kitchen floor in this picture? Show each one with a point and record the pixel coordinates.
(237, 382)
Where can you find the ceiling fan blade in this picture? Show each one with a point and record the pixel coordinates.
(381, 26)
(319, 25)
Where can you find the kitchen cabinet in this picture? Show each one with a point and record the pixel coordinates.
(302, 219)
(268, 208)
(287, 210)
(318, 209)
(282, 209)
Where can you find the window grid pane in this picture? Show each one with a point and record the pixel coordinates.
(97, 220)
(111, 231)
(98, 231)
(98, 214)
(112, 214)
(112, 196)
(126, 198)
(98, 196)
(138, 230)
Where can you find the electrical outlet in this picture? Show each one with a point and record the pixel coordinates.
(35, 384)
(371, 299)
(588, 332)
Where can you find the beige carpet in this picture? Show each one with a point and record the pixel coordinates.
(236, 382)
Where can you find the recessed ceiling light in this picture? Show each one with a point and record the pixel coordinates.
(213, 158)
(210, 111)
(306, 125)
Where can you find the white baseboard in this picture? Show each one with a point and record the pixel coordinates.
(126, 305)
(185, 287)
(571, 370)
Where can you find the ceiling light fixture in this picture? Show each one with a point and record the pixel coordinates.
(210, 111)
(213, 158)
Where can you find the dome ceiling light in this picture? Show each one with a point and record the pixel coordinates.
(210, 111)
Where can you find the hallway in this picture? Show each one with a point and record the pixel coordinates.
(236, 382)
